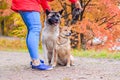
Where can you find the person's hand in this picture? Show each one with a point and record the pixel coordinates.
(78, 6)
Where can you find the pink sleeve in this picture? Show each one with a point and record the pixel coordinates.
(73, 1)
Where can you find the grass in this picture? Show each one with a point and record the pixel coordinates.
(14, 44)
(97, 54)
(19, 45)
(10, 44)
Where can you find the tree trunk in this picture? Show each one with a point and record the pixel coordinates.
(79, 17)
(2, 27)
(83, 41)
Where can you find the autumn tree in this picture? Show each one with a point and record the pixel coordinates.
(101, 18)
(5, 13)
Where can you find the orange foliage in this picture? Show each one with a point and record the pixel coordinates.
(101, 18)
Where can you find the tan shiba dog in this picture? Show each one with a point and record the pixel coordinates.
(63, 49)
(50, 34)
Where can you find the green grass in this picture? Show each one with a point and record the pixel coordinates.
(96, 54)
(80, 53)
(19, 45)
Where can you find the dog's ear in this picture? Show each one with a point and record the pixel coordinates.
(47, 12)
(61, 11)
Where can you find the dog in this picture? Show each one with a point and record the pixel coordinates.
(63, 50)
(50, 34)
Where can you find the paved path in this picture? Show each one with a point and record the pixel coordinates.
(15, 66)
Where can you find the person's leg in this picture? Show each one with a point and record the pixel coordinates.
(32, 21)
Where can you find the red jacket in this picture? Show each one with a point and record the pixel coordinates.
(31, 5)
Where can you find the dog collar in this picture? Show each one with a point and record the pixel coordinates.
(62, 42)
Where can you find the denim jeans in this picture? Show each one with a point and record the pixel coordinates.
(32, 21)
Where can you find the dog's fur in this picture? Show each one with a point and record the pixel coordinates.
(63, 49)
(50, 34)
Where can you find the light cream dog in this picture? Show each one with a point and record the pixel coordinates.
(63, 50)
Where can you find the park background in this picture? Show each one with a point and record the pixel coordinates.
(95, 33)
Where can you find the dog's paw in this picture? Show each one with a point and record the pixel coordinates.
(72, 64)
(53, 65)
(67, 65)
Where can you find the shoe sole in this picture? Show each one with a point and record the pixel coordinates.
(43, 69)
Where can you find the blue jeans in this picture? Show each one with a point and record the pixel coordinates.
(32, 21)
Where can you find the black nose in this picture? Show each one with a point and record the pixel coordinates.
(69, 33)
(56, 20)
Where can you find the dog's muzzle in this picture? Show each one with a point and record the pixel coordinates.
(53, 21)
(69, 34)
